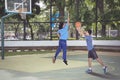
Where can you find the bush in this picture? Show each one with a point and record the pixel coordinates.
(107, 38)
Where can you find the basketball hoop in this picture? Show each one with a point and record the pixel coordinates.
(18, 6)
(23, 15)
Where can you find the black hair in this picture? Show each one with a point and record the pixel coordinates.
(89, 31)
(61, 25)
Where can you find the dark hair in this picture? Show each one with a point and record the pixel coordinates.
(89, 31)
(61, 25)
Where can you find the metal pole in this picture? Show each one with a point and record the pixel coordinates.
(96, 19)
(2, 35)
(77, 17)
(50, 19)
(24, 29)
(2, 38)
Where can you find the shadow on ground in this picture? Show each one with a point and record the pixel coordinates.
(105, 76)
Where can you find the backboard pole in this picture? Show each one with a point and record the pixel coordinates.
(2, 38)
(2, 34)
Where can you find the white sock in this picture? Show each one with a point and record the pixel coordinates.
(90, 68)
(103, 67)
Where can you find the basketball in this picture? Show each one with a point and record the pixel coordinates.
(78, 24)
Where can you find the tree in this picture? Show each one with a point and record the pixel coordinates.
(81, 10)
(100, 6)
(35, 11)
(61, 5)
(108, 12)
(2, 8)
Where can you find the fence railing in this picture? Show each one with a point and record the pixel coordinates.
(106, 45)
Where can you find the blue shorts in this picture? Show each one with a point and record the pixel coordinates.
(92, 54)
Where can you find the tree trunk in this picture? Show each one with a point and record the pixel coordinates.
(16, 30)
(61, 14)
(103, 31)
(32, 34)
(61, 7)
(24, 29)
(31, 30)
(100, 5)
(77, 18)
(118, 33)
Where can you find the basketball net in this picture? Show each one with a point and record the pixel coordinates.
(23, 15)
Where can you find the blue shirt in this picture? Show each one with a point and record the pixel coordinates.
(64, 32)
(89, 42)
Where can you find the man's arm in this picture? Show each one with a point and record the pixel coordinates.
(68, 20)
(80, 31)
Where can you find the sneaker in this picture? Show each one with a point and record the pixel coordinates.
(105, 70)
(53, 59)
(89, 71)
(65, 62)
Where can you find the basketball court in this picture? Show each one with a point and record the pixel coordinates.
(40, 67)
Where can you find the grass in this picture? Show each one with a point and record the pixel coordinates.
(108, 38)
(28, 53)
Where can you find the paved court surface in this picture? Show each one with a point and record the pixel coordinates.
(40, 67)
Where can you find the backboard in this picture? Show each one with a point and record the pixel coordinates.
(18, 6)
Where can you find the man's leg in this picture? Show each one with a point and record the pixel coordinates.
(57, 52)
(89, 65)
(100, 61)
(64, 47)
(89, 62)
(95, 56)
(104, 67)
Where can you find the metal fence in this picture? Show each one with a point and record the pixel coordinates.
(34, 31)
(42, 31)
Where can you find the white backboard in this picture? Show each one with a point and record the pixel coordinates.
(18, 6)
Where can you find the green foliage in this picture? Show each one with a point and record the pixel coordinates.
(107, 38)
(27, 53)
(111, 15)
(88, 17)
(112, 4)
(90, 4)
